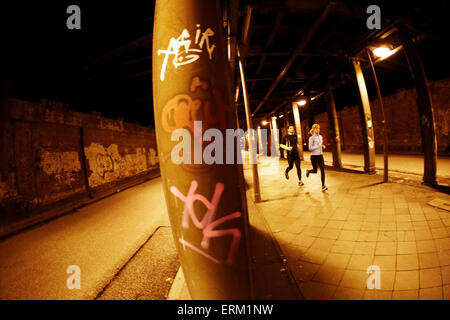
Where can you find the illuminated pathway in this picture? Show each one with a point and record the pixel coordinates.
(330, 239)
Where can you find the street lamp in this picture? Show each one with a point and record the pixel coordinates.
(264, 122)
(382, 52)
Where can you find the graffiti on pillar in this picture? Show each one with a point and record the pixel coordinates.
(183, 51)
(183, 109)
(207, 224)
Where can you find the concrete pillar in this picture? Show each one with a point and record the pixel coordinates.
(298, 127)
(334, 127)
(205, 201)
(366, 121)
(425, 106)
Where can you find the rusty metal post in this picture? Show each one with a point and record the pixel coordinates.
(205, 201)
(366, 121)
(425, 106)
(252, 150)
(298, 127)
(334, 127)
(385, 132)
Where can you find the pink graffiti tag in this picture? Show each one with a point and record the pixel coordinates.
(207, 223)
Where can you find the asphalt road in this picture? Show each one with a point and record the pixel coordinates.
(99, 238)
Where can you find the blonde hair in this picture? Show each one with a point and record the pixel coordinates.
(313, 128)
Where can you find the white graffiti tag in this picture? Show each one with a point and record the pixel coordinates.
(182, 50)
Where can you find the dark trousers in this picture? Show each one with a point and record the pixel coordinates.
(291, 160)
(317, 161)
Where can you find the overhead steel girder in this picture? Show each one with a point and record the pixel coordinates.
(300, 47)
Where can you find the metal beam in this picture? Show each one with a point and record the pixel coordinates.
(425, 107)
(298, 127)
(252, 149)
(300, 47)
(269, 42)
(334, 127)
(366, 121)
(383, 120)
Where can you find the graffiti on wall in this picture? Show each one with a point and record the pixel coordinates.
(107, 164)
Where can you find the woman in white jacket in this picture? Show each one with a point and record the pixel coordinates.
(316, 147)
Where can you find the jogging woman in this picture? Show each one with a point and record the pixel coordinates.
(316, 147)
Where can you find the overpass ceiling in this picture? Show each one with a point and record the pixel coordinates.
(293, 47)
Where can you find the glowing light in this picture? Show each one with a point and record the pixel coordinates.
(301, 102)
(264, 122)
(382, 52)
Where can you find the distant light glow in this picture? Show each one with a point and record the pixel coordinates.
(281, 116)
(382, 52)
(301, 102)
(264, 122)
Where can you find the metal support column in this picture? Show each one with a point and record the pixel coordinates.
(425, 106)
(298, 127)
(251, 138)
(311, 120)
(334, 127)
(286, 126)
(275, 138)
(206, 201)
(366, 121)
(385, 132)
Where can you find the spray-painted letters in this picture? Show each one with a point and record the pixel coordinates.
(183, 109)
(207, 224)
(182, 51)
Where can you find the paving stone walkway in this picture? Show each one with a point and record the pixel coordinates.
(331, 238)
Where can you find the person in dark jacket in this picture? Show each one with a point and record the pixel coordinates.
(290, 144)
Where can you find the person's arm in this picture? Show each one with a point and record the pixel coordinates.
(323, 146)
(283, 145)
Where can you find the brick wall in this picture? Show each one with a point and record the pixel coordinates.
(401, 118)
(59, 156)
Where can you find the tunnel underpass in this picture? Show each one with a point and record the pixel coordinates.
(229, 149)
